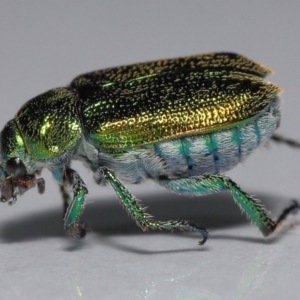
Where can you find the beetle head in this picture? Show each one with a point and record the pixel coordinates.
(16, 174)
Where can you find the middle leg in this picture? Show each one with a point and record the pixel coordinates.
(135, 209)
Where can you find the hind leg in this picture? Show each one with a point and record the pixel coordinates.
(283, 140)
(208, 184)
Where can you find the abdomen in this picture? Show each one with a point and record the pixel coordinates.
(209, 153)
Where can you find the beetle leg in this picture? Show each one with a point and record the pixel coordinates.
(136, 210)
(59, 175)
(73, 227)
(208, 184)
(66, 198)
(74, 209)
(281, 139)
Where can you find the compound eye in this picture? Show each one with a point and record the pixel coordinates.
(15, 167)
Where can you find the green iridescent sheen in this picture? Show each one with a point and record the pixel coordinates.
(181, 122)
(144, 220)
(50, 123)
(212, 62)
(13, 141)
(76, 207)
(145, 103)
(154, 101)
(213, 183)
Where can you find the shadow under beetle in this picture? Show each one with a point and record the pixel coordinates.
(181, 122)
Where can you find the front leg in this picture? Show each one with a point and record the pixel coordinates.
(65, 197)
(73, 227)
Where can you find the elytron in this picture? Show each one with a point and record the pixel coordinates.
(181, 122)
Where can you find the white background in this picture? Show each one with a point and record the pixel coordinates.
(45, 45)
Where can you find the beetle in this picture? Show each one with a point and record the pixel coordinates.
(181, 122)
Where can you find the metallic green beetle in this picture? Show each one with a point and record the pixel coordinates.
(181, 122)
